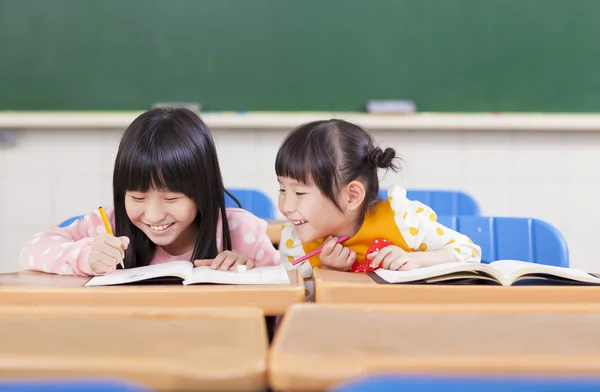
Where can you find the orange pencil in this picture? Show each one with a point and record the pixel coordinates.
(107, 227)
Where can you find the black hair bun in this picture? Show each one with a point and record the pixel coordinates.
(383, 158)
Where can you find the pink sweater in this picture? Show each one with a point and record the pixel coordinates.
(66, 251)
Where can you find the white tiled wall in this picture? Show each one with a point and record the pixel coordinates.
(49, 175)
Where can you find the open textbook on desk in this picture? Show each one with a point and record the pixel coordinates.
(504, 272)
(185, 272)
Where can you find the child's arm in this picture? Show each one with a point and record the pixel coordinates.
(395, 258)
(64, 251)
(432, 242)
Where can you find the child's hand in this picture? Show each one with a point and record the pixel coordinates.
(106, 252)
(336, 256)
(393, 258)
(226, 261)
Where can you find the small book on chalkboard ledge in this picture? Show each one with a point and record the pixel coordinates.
(193, 106)
(391, 107)
(501, 272)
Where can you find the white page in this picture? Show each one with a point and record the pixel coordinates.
(257, 275)
(514, 268)
(429, 272)
(181, 269)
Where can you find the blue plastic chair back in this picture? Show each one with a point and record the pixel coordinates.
(68, 222)
(443, 202)
(524, 239)
(75, 385)
(254, 201)
(468, 384)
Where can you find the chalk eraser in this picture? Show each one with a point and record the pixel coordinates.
(240, 268)
(391, 106)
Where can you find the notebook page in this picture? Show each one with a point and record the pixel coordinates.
(258, 275)
(181, 269)
(428, 272)
(513, 268)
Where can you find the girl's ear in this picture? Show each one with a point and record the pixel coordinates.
(354, 195)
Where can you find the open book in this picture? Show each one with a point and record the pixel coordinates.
(185, 272)
(504, 272)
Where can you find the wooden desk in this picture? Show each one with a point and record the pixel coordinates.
(318, 346)
(346, 287)
(36, 288)
(165, 349)
(274, 231)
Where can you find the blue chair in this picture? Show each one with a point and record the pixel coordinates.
(68, 222)
(524, 239)
(468, 384)
(254, 201)
(442, 202)
(74, 385)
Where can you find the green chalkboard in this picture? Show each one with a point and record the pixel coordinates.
(446, 55)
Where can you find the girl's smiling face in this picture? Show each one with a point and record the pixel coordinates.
(165, 217)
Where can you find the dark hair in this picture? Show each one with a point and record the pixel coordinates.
(333, 153)
(170, 148)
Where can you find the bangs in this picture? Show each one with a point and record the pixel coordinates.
(146, 173)
(294, 163)
(158, 164)
(308, 154)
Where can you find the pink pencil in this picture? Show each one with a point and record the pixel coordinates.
(316, 252)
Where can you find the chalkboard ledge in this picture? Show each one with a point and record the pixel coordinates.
(288, 120)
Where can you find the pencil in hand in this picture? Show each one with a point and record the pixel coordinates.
(316, 252)
(107, 227)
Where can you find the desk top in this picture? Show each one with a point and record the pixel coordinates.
(274, 230)
(38, 288)
(346, 287)
(318, 346)
(162, 349)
